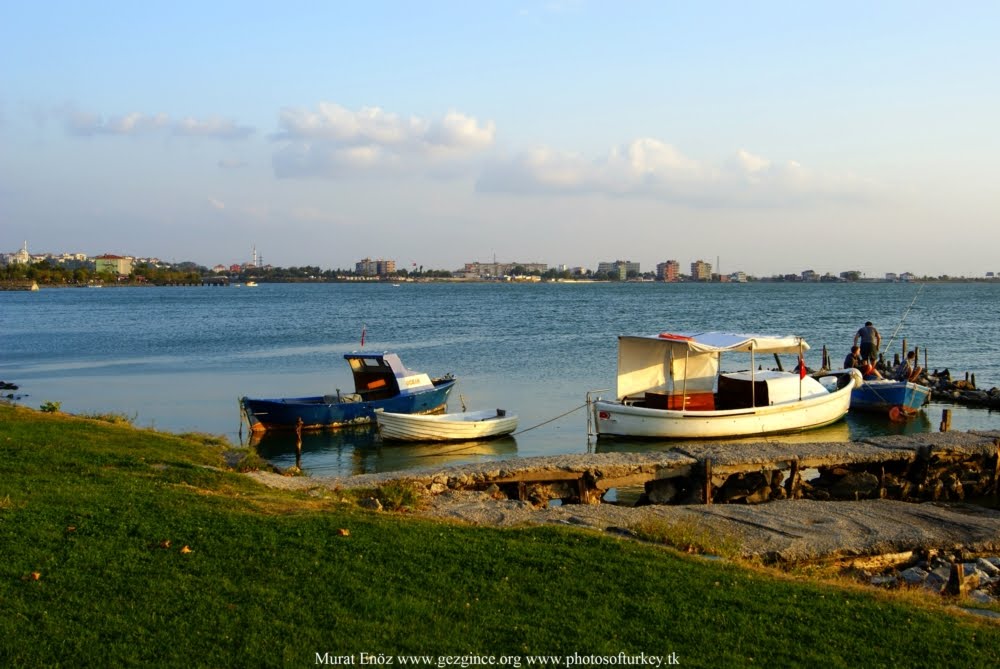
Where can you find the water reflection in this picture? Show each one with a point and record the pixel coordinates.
(362, 451)
(853, 427)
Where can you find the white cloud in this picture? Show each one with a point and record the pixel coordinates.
(333, 140)
(216, 204)
(650, 168)
(86, 124)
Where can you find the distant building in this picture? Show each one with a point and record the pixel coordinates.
(738, 277)
(891, 276)
(701, 270)
(619, 268)
(120, 265)
(21, 257)
(810, 275)
(497, 270)
(907, 276)
(668, 271)
(369, 267)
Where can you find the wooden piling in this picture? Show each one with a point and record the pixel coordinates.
(792, 487)
(707, 486)
(298, 443)
(945, 420)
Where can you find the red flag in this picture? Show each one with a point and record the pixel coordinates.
(362, 336)
(802, 368)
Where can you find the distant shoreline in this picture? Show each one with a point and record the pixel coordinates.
(8, 286)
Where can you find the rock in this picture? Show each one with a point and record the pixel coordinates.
(913, 576)
(437, 488)
(886, 581)
(981, 596)
(855, 485)
(661, 492)
(937, 579)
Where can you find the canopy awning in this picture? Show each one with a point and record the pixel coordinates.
(709, 342)
(672, 361)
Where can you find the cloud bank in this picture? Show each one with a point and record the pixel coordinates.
(650, 168)
(332, 141)
(86, 124)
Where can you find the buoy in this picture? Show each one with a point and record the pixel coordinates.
(896, 414)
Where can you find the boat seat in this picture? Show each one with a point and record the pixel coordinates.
(680, 401)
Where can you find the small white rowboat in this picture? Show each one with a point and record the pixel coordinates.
(446, 426)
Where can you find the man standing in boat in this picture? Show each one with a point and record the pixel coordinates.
(870, 341)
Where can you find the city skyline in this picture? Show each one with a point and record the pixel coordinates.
(669, 270)
(770, 137)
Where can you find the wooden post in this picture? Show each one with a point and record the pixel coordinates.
(945, 420)
(298, 443)
(826, 358)
(707, 487)
(792, 487)
(904, 348)
(925, 360)
(777, 361)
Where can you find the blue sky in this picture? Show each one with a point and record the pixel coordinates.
(770, 137)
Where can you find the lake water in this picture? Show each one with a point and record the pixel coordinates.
(179, 358)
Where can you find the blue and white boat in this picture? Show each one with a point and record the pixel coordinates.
(380, 382)
(897, 398)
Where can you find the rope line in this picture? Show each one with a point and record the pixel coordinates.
(527, 429)
(905, 314)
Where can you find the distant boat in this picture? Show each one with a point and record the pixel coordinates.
(895, 398)
(381, 382)
(251, 284)
(469, 425)
(670, 387)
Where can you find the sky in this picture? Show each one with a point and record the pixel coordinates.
(766, 137)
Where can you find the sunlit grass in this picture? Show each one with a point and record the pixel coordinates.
(129, 547)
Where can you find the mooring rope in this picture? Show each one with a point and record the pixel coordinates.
(527, 429)
(905, 314)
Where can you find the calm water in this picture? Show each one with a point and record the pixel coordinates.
(179, 358)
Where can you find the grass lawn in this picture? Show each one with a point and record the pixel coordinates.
(121, 546)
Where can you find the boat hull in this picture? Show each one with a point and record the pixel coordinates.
(620, 419)
(445, 427)
(325, 412)
(883, 396)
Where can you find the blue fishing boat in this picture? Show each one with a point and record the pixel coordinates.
(380, 382)
(897, 398)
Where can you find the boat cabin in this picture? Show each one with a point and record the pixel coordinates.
(682, 372)
(382, 375)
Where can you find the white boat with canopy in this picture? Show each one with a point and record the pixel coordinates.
(670, 386)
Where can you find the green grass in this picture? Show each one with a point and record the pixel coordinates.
(95, 517)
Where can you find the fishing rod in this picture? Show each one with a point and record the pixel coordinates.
(905, 313)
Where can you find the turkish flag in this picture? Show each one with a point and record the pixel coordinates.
(802, 368)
